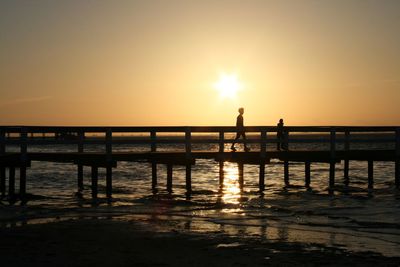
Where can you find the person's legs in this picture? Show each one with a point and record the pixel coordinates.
(245, 142)
(234, 141)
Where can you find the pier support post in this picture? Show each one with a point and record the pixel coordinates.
(221, 173)
(397, 173)
(241, 179)
(153, 175)
(331, 175)
(370, 174)
(397, 162)
(2, 168)
(286, 172)
(261, 181)
(22, 182)
(23, 160)
(307, 170)
(2, 181)
(108, 181)
(11, 183)
(188, 179)
(81, 137)
(80, 177)
(333, 157)
(169, 178)
(346, 172)
(346, 161)
(95, 177)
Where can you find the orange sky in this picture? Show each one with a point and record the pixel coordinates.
(155, 62)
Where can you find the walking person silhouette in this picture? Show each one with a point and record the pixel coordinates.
(240, 131)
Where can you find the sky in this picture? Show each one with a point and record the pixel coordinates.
(157, 62)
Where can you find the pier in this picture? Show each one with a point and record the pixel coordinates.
(336, 144)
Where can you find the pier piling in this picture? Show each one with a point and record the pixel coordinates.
(153, 176)
(241, 178)
(261, 181)
(331, 175)
(307, 170)
(346, 161)
(221, 173)
(81, 136)
(22, 182)
(95, 177)
(11, 183)
(169, 178)
(2, 181)
(108, 181)
(397, 161)
(286, 172)
(370, 174)
(188, 179)
(80, 177)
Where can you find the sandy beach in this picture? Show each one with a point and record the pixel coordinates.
(109, 242)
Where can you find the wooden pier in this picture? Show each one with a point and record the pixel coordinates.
(24, 137)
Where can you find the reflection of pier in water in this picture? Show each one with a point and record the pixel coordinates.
(338, 142)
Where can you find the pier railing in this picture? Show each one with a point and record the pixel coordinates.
(189, 135)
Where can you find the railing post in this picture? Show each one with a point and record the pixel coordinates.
(397, 162)
(2, 167)
(23, 162)
(188, 148)
(332, 156)
(221, 141)
(346, 161)
(81, 137)
(109, 162)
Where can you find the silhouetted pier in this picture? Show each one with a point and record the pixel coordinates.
(24, 137)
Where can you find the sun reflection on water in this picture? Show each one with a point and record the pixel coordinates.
(231, 192)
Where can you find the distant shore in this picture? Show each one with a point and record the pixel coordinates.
(106, 242)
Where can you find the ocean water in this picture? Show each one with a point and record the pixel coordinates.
(352, 218)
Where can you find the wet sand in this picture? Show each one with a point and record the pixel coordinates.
(106, 242)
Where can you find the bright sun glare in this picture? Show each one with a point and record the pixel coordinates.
(227, 85)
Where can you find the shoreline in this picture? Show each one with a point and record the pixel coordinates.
(105, 242)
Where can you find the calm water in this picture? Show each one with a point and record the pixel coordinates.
(353, 218)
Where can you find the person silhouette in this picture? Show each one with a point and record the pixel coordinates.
(280, 135)
(240, 131)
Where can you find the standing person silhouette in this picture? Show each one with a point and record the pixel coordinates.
(240, 131)
(280, 135)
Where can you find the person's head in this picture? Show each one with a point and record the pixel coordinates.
(241, 110)
(281, 121)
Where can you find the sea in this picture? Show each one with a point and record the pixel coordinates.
(351, 218)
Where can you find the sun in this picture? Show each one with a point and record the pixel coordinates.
(227, 85)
